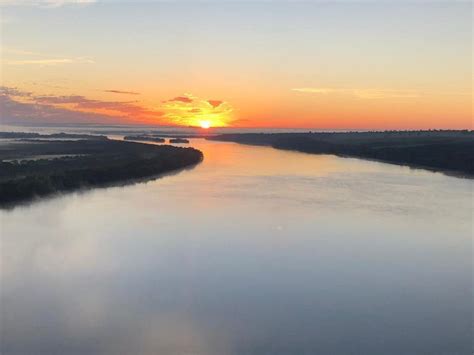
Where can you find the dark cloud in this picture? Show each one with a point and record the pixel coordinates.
(122, 92)
(42, 105)
(128, 108)
(73, 99)
(184, 99)
(13, 92)
(19, 112)
(214, 103)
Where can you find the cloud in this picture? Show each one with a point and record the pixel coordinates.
(189, 110)
(130, 110)
(362, 93)
(54, 61)
(315, 90)
(214, 103)
(25, 57)
(183, 99)
(122, 92)
(72, 99)
(7, 91)
(16, 112)
(46, 3)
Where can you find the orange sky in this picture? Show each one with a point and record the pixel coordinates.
(303, 65)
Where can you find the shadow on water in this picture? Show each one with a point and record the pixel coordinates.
(87, 189)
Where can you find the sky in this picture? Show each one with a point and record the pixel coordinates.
(287, 64)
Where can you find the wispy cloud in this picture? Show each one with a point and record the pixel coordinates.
(55, 61)
(132, 110)
(14, 111)
(45, 3)
(8, 91)
(315, 90)
(15, 56)
(122, 92)
(128, 108)
(361, 93)
(184, 99)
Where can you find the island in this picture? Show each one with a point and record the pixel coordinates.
(36, 168)
(448, 151)
(145, 138)
(178, 140)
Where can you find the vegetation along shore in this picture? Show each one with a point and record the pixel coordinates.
(447, 151)
(30, 169)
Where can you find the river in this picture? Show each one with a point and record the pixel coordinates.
(253, 251)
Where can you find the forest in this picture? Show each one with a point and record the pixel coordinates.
(449, 151)
(34, 168)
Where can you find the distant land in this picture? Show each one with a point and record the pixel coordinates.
(147, 138)
(62, 135)
(451, 152)
(155, 139)
(40, 167)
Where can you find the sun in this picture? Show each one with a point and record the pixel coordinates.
(205, 124)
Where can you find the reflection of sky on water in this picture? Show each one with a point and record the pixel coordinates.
(254, 251)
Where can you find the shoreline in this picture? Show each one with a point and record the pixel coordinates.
(447, 152)
(104, 163)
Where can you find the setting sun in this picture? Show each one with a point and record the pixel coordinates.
(205, 124)
(191, 110)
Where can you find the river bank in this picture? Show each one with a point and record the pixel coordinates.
(450, 152)
(36, 168)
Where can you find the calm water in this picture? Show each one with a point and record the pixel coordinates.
(254, 251)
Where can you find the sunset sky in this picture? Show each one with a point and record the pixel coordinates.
(322, 65)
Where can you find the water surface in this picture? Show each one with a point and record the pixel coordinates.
(254, 251)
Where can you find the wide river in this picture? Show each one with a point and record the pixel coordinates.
(253, 251)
